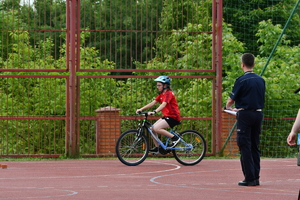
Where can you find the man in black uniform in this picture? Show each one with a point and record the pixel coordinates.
(248, 94)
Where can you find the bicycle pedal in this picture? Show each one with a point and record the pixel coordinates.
(155, 153)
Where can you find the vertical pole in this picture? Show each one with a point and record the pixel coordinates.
(214, 66)
(219, 72)
(67, 144)
(68, 34)
(77, 79)
(72, 83)
(74, 36)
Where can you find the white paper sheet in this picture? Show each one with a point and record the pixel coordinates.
(230, 112)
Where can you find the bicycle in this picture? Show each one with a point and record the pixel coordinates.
(132, 147)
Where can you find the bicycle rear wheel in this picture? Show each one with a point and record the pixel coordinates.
(194, 154)
(132, 148)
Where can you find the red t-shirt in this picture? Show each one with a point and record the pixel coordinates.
(171, 109)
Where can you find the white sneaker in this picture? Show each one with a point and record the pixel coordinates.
(175, 142)
(154, 150)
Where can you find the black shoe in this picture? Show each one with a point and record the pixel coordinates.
(175, 141)
(248, 183)
(257, 181)
(154, 150)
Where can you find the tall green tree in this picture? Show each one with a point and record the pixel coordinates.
(245, 16)
(9, 20)
(124, 29)
(181, 16)
(49, 18)
(9, 4)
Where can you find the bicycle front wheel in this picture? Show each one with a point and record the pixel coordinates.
(193, 150)
(132, 147)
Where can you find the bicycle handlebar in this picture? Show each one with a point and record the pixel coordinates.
(142, 113)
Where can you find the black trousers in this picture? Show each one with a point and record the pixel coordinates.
(248, 138)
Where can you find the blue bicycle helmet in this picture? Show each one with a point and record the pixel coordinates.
(163, 79)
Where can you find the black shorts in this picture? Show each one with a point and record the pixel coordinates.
(171, 121)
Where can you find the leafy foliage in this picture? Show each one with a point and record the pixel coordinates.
(245, 16)
(281, 76)
(183, 42)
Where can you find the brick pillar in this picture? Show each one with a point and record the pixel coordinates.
(108, 128)
(228, 122)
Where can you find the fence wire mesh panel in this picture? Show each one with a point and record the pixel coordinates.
(32, 35)
(270, 30)
(66, 63)
(32, 137)
(125, 42)
(277, 126)
(146, 35)
(129, 43)
(108, 100)
(33, 115)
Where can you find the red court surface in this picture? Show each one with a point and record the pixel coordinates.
(164, 179)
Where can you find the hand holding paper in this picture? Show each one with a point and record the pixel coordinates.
(230, 112)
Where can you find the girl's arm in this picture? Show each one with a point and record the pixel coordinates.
(147, 106)
(161, 106)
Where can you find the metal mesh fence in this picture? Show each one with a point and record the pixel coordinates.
(33, 115)
(130, 33)
(63, 57)
(259, 25)
(99, 92)
(124, 38)
(32, 33)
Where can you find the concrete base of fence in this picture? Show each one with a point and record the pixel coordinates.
(228, 122)
(108, 128)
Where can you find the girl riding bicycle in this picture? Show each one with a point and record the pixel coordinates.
(169, 108)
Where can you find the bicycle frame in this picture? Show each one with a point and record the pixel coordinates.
(146, 125)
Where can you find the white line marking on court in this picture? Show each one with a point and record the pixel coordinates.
(153, 180)
(176, 167)
(37, 197)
